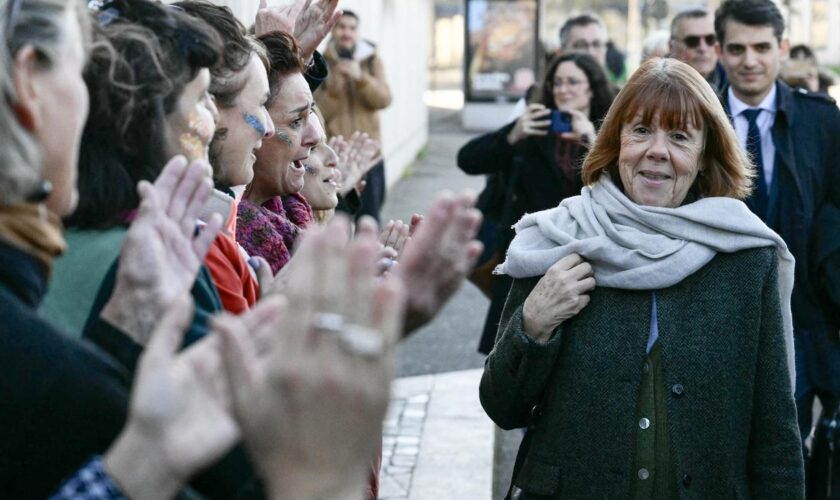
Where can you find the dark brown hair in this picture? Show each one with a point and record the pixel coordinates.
(283, 57)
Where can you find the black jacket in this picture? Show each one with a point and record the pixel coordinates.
(524, 179)
(805, 202)
(61, 400)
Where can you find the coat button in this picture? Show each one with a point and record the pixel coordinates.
(644, 423)
(686, 480)
(677, 390)
(536, 412)
(644, 474)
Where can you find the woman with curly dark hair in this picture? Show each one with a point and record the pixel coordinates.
(534, 162)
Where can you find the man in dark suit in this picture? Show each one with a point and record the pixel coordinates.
(794, 140)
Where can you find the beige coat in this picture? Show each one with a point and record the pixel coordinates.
(349, 105)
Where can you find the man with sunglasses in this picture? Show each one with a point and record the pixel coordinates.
(693, 42)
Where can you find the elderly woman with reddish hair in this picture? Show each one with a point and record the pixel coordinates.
(647, 339)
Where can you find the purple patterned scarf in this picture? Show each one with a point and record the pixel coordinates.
(270, 230)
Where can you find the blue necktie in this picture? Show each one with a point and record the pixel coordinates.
(759, 200)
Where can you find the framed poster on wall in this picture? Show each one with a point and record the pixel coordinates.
(501, 48)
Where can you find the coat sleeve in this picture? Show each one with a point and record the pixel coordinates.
(372, 87)
(517, 369)
(774, 462)
(826, 234)
(487, 154)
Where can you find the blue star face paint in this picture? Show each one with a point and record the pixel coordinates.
(255, 123)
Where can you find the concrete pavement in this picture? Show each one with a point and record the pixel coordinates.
(438, 443)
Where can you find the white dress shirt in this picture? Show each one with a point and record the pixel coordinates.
(765, 122)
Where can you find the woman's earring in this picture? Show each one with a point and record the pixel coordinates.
(41, 192)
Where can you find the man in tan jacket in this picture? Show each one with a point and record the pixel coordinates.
(351, 97)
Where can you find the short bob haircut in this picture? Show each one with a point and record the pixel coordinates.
(681, 97)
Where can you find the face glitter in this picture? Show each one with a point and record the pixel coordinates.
(310, 170)
(285, 138)
(255, 123)
(194, 142)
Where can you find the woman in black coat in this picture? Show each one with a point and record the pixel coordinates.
(531, 168)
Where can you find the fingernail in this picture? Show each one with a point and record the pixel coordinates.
(254, 262)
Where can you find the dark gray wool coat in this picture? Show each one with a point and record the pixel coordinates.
(730, 411)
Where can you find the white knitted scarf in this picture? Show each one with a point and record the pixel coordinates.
(644, 248)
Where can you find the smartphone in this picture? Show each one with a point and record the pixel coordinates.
(345, 53)
(561, 122)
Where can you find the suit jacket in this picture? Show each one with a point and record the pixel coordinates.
(730, 410)
(805, 202)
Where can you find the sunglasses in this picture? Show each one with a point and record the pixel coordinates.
(693, 41)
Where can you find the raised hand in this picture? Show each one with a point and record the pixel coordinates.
(439, 256)
(395, 235)
(559, 295)
(163, 249)
(178, 420)
(582, 128)
(356, 157)
(309, 21)
(311, 398)
(534, 122)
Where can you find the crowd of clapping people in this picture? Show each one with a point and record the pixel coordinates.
(665, 261)
(213, 326)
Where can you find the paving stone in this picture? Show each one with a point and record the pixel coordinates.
(408, 440)
(405, 460)
(413, 414)
(419, 398)
(398, 469)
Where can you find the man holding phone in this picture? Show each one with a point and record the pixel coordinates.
(352, 96)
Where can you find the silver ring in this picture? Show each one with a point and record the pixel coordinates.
(361, 341)
(328, 322)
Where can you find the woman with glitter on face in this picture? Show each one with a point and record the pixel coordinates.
(149, 101)
(272, 212)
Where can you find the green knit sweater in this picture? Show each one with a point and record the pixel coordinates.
(731, 417)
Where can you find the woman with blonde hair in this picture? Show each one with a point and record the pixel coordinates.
(647, 341)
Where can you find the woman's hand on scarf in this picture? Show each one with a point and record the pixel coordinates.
(559, 295)
(310, 391)
(163, 248)
(534, 122)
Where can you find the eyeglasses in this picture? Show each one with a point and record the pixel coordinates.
(693, 41)
(584, 45)
(571, 82)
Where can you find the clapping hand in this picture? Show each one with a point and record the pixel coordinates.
(163, 249)
(309, 21)
(310, 400)
(178, 420)
(439, 255)
(355, 158)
